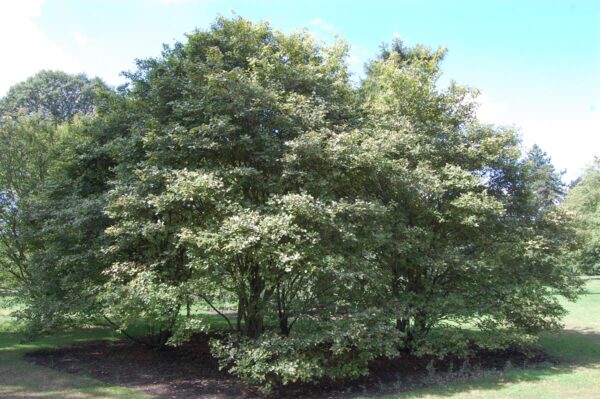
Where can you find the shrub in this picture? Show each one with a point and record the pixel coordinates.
(334, 350)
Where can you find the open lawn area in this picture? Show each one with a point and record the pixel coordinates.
(21, 379)
(576, 376)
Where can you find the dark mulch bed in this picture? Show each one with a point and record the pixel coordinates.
(189, 371)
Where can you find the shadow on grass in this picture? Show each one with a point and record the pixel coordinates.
(21, 379)
(16, 341)
(104, 392)
(488, 382)
(579, 346)
(573, 350)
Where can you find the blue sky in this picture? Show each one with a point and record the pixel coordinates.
(536, 63)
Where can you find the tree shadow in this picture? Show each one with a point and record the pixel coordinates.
(154, 371)
(572, 349)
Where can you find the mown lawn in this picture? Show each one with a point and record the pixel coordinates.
(21, 379)
(577, 375)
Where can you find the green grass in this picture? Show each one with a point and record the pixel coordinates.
(21, 379)
(577, 376)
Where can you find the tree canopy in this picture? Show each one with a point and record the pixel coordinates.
(346, 222)
(55, 95)
(584, 201)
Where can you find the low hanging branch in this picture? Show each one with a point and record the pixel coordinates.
(218, 311)
(122, 331)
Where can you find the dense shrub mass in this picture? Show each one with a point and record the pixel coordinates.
(347, 221)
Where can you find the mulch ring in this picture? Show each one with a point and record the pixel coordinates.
(189, 371)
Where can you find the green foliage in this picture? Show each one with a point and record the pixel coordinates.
(64, 223)
(583, 201)
(38, 118)
(209, 205)
(462, 212)
(26, 146)
(54, 95)
(348, 223)
(336, 350)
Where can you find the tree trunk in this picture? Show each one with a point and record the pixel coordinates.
(240, 315)
(253, 327)
(284, 327)
(402, 325)
(254, 311)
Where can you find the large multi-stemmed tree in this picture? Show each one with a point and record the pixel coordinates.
(346, 221)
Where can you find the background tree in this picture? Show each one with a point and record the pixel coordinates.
(54, 95)
(64, 220)
(31, 113)
(548, 186)
(584, 201)
(26, 145)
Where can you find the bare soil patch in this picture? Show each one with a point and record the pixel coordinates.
(189, 371)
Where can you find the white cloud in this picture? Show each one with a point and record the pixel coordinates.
(322, 24)
(80, 39)
(569, 135)
(571, 139)
(354, 60)
(491, 111)
(357, 57)
(27, 50)
(25, 8)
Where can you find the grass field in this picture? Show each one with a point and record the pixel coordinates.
(20, 379)
(577, 375)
